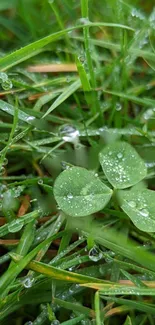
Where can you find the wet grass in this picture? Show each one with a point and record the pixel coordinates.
(88, 66)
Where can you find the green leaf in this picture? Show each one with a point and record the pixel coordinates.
(122, 165)
(128, 321)
(140, 207)
(67, 92)
(83, 75)
(79, 192)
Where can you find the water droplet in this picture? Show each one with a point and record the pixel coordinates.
(152, 19)
(83, 21)
(132, 204)
(95, 254)
(5, 161)
(119, 155)
(137, 13)
(118, 107)
(148, 114)
(96, 174)
(81, 237)
(69, 196)
(30, 118)
(27, 282)
(7, 84)
(55, 322)
(18, 190)
(69, 133)
(65, 165)
(82, 58)
(144, 213)
(68, 79)
(15, 225)
(40, 181)
(3, 77)
(2, 171)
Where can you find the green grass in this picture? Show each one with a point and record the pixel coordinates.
(57, 268)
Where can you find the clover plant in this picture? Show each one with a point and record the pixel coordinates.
(80, 192)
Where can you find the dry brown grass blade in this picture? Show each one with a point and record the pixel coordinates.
(24, 206)
(70, 67)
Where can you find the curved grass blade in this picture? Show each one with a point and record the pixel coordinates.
(34, 48)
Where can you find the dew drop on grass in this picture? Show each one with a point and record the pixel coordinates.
(15, 225)
(28, 282)
(2, 170)
(5, 161)
(55, 322)
(40, 181)
(30, 118)
(137, 13)
(3, 77)
(118, 107)
(69, 133)
(83, 21)
(152, 19)
(95, 254)
(7, 84)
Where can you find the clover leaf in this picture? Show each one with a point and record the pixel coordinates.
(79, 192)
(140, 207)
(122, 165)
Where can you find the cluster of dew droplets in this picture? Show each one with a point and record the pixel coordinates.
(115, 165)
(140, 206)
(95, 254)
(5, 82)
(2, 190)
(69, 133)
(137, 14)
(2, 166)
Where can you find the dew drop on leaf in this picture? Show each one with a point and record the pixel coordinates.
(132, 204)
(119, 155)
(69, 196)
(144, 213)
